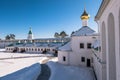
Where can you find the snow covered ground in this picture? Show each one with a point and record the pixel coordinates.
(16, 61)
(61, 72)
(27, 73)
(2, 50)
(17, 66)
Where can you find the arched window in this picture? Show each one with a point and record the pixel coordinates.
(111, 47)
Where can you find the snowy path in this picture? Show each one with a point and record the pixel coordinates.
(45, 72)
(62, 72)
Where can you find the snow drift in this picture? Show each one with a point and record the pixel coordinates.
(28, 73)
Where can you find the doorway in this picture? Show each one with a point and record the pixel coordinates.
(88, 63)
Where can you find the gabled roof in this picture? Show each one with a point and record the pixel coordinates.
(66, 47)
(84, 31)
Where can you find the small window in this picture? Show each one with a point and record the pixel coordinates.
(89, 45)
(41, 49)
(53, 50)
(83, 59)
(81, 45)
(64, 58)
(35, 49)
(48, 49)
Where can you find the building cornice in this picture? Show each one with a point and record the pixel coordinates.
(101, 9)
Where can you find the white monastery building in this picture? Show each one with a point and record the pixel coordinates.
(107, 60)
(85, 47)
(31, 45)
(78, 51)
(104, 56)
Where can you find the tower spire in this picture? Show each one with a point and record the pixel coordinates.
(30, 28)
(84, 7)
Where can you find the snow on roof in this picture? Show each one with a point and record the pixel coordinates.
(52, 38)
(84, 31)
(96, 44)
(29, 45)
(66, 47)
(38, 44)
(95, 34)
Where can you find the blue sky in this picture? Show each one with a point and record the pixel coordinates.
(44, 16)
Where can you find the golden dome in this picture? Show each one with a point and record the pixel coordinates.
(85, 15)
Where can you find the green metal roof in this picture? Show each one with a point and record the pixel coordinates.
(30, 31)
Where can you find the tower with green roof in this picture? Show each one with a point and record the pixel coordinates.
(30, 34)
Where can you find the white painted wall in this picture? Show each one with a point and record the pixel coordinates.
(74, 56)
(63, 54)
(77, 52)
(30, 36)
(113, 7)
(10, 49)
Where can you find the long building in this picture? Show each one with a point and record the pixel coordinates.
(31, 45)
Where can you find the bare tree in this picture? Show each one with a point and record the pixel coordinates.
(10, 37)
(56, 35)
(7, 37)
(72, 33)
(63, 34)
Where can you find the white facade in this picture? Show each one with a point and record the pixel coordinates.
(62, 55)
(79, 52)
(107, 61)
(75, 55)
(32, 49)
(30, 36)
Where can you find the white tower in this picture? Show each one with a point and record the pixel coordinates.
(30, 34)
(84, 17)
